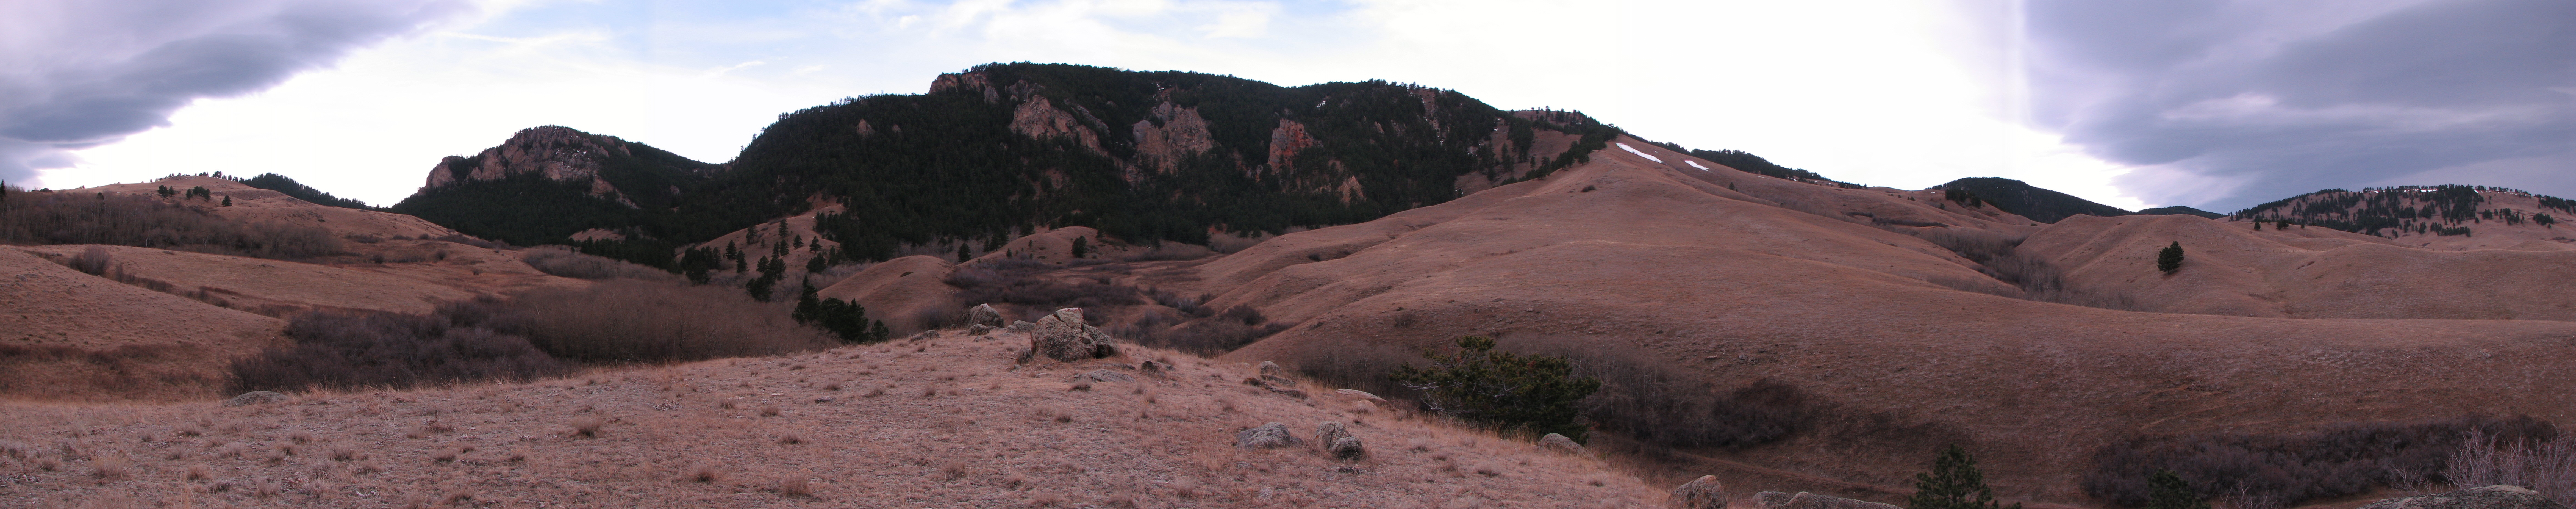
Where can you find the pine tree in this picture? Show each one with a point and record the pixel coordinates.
(2170, 259)
(2169, 491)
(1537, 393)
(963, 254)
(1953, 483)
(1081, 246)
(228, 200)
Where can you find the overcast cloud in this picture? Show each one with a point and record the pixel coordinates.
(76, 74)
(2225, 104)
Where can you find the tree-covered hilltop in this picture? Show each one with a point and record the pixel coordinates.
(279, 183)
(2441, 210)
(525, 195)
(2020, 198)
(1007, 148)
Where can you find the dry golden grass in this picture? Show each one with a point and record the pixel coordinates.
(990, 433)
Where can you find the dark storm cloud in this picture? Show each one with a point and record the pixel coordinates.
(79, 73)
(2231, 103)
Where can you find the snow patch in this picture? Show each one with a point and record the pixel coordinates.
(1695, 164)
(1633, 150)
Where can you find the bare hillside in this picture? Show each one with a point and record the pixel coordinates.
(947, 421)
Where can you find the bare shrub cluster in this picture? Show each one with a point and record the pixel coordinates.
(1998, 256)
(68, 218)
(1654, 403)
(2268, 471)
(349, 349)
(637, 321)
(1204, 336)
(564, 261)
(2548, 467)
(1026, 282)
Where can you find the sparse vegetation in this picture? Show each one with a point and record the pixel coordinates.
(566, 262)
(63, 218)
(2266, 471)
(1537, 393)
(348, 349)
(634, 321)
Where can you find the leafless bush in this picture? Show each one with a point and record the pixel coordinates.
(67, 218)
(1026, 282)
(346, 349)
(93, 261)
(627, 320)
(2266, 471)
(2545, 466)
(1206, 336)
(470, 241)
(1192, 306)
(1245, 314)
(564, 261)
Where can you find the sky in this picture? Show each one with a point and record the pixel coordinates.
(2217, 104)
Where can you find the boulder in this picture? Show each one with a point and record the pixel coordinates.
(1108, 376)
(1805, 500)
(1329, 431)
(979, 329)
(1356, 393)
(1702, 493)
(985, 315)
(255, 398)
(1022, 327)
(1062, 336)
(2490, 497)
(1266, 436)
(1559, 443)
(1272, 369)
(1348, 448)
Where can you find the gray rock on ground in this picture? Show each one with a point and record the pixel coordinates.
(1266, 436)
(985, 315)
(979, 329)
(255, 398)
(1559, 443)
(1702, 493)
(1104, 375)
(1805, 500)
(1348, 448)
(2491, 497)
(1062, 336)
(1328, 431)
(1022, 327)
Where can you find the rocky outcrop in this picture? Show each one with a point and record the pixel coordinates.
(1266, 436)
(1062, 336)
(1285, 141)
(2490, 497)
(1039, 118)
(559, 153)
(985, 315)
(1347, 448)
(1805, 500)
(1170, 135)
(1559, 443)
(1702, 493)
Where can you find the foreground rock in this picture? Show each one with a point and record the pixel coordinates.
(1702, 493)
(1559, 443)
(2490, 497)
(1062, 336)
(985, 315)
(255, 398)
(1805, 500)
(1266, 436)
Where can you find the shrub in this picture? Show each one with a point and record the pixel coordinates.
(2548, 467)
(2170, 258)
(563, 261)
(2168, 491)
(1537, 393)
(93, 261)
(845, 319)
(626, 320)
(349, 349)
(2263, 471)
(1026, 282)
(63, 218)
(1953, 483)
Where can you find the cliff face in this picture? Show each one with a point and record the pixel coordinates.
(557, 154)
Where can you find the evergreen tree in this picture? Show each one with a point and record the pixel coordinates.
(228, 200)
(1953, 483)
(962, 254)
(165, 191)
(1537, 392)
(2169, 491)
(1081, 246)
(2170, 259)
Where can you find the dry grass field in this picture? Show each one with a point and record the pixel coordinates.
(943, 421)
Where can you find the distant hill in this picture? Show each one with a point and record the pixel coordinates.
(2030, 201)
(547, 183)
(2179, 210)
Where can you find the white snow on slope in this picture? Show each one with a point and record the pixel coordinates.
(1695, 164)
(1633, 150)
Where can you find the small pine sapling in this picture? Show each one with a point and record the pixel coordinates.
(1953, 483)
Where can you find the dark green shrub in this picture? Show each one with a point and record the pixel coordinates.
(844, 319)
(1537, 393)
(2169, 259)
(2168, 491)
(1953, 483)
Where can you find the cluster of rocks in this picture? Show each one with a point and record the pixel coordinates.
(1275, 379)
(1335, 438)
(1061, 335)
